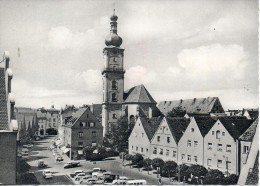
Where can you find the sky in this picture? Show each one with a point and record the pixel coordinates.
(178, 49)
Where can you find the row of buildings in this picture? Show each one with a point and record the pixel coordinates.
(213, 142)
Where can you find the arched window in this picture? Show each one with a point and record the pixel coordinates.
(114, 85)
(114, 97)
(218, 134)
(114, 116)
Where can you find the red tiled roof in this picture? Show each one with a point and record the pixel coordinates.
(3, 102)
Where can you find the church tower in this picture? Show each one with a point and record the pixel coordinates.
(113, 77)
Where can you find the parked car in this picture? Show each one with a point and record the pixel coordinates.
(79, 176)
(59, 158)
(98, 173)
(110, 179)
(119, 182)
(67, 165)
(123, 178)
(47, 174)
(75, 163)
(41, 164)
(28, 146)
(89, 181)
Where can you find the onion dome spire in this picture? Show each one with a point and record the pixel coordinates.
(113, 39)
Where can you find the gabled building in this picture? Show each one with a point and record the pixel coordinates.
(197, 106)
(246, 141)
(8, 126)
(164, 143)
(191, 145)
(141, 135)
(80, 130)
(221, 145)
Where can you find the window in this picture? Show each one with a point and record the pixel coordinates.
(189, 157)
(209, 162)
(213, 132)
(189, 143)
(195, 143)
(80, 144)
(219, 165)
(155, 150)
(114, 59)
(114, 85)
(94, 143)
(209, 146)
(114, 116)
(161, 152)
(87, 115)
(81, 124)
(142, 134)
(245, 149)
(54, 120)
(114, 97)
(80, 134)
(223, 133)
(192, 129)
(94, 133)
(132, 147)
(220, 147)
(228, 164)
(158, 138)
(174, 154)
(54, 125)
(218, 134)
(147, 150)
(49, 124)
(183, 157)
(167, 152)
(228, 148)
(196, 159)
(92, 124)
(142, 149)
(136, 148)
(168, 140)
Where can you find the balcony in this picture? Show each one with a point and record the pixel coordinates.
(113, 70)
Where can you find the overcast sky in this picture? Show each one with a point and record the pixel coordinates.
(177, 49)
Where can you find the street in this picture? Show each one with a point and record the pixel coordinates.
(40, 152)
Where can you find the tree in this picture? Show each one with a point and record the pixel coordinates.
(231, 179)
(214, 176)
(183, 171)
(157, 163)
(147, 164)
(129, 158)
(198, 171)
(118, 136)
(88, 151)
(169, 168)
(176, 112)
(136, 158)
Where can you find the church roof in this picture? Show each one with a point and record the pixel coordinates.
(3, 102)
(138, 94)
(196, 105)
(248, 135)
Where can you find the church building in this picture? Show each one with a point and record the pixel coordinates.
(132, 103)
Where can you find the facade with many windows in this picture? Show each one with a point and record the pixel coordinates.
(222, 149)
(81, 129)
(191, 144)
(164, 143)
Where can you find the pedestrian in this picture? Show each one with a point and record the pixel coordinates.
(160, 181)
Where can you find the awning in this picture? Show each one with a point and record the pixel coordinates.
(63, 148)
(80, 152)
(66, 150)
